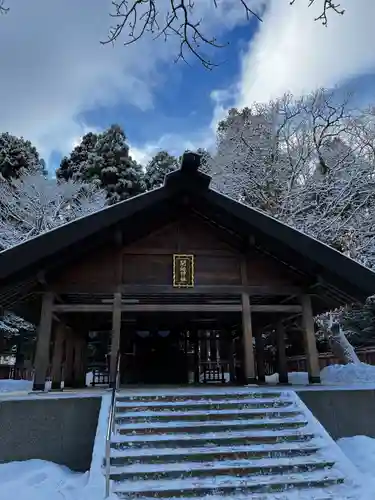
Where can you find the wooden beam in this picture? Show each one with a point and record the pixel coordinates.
(259, 353)
(170, 251)
(281, 353)
(43, 343)
(56, 372)
(69, 357)
(98, 288)
(212, 289)
(247, 332)
(312, 356)
(82, 308)
(276, 308)
(116, 333)
(149, 307)
(119, 259)
(265, 308)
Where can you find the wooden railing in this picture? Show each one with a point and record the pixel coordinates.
(100, 376)
(213, 371)
(110, 425)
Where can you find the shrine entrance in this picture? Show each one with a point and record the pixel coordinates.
(181, 349)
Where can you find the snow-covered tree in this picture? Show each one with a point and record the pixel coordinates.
(17, 154)
(158, 167)
(34, 204)
(310, 163)
(301, 160)
(11, 324)
(104, 160)
(70, 166)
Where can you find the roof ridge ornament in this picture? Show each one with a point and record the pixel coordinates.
(189, 175)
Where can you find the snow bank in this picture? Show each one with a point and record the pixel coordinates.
(40, 480)
(333, 375)
(361, 451)
(348, 374)
(8, 385)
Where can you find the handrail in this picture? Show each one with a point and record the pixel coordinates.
(111, 419)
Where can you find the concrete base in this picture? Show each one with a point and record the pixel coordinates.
(39, 387)
(251, 381)
(60, 430)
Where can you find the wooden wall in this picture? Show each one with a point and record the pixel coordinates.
(149, 261)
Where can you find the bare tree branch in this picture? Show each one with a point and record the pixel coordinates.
(138, 17)
(3, 10)
(133, 19)
(327, 6)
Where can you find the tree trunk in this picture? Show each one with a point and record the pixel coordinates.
(339, 344)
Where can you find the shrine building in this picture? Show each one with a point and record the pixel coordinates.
(185, 281)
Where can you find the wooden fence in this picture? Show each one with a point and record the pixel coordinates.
(298, 363)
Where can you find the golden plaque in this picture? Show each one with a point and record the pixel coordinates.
(183, 271)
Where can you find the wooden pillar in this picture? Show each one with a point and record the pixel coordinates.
(78, 380)
(116, 332)
(43, 343)
(69, 358)
(281, 353)
(249, 366)
(56, 373)
(247, 333)
(84, 360)
(232, 368)
(312, 357)
(259, 351)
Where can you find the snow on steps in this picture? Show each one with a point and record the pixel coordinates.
(237, 443)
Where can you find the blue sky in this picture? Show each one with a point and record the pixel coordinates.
(182, 103)
(58, 82)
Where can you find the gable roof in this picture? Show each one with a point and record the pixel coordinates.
(342, 279)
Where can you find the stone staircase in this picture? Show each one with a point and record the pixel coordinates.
(239, 443)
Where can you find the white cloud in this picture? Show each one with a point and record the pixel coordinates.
(175, 144)
(53, 67)
(292, 52)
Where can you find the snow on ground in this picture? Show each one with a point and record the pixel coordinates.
(40, 480)
(348, 374)
(8, 385)
(361, 451)
(333, 375)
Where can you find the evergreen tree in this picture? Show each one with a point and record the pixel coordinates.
(206, 160)
(156, 170)
(104, 160)
(16, 154)
(70, 167)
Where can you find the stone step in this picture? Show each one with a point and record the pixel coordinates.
(235, 468)
(204, 427)
(226, 485)
(247, 403)
(299, 494)
(196, 395)
(217, 438)
(200, 454)
(202, 415)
